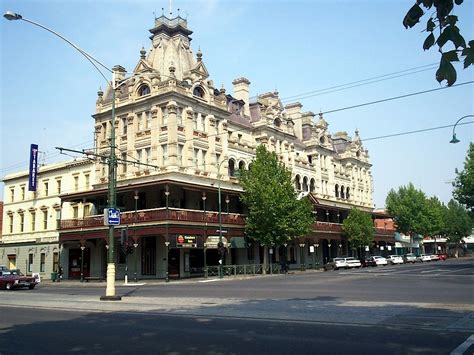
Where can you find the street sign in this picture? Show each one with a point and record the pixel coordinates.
(111, 217)
(212, 241)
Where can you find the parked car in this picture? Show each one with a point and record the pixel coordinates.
(9, 280)
(423, 258)
(379, 260)
(409, 258)
(395, 259)
(442, 256)
(367, 262)
(434, 257)
(335, 264)
(342, 263)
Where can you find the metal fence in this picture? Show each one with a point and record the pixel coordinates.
(239, 270)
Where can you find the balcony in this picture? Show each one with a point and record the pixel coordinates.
(328, 227)
(155, 216)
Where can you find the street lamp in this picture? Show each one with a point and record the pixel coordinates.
(112, 161)
(219, 198)
(302, 266)
(316, 246)
(205, 259)
(82, 262)
(455, 140)
(135, 244)
(167, 244)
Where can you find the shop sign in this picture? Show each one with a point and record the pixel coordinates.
(212, 241)
(186, 241)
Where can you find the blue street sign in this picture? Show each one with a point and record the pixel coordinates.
(111, 216)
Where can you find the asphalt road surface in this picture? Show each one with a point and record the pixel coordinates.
(402, 309)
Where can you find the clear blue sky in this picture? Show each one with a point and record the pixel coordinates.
(48, 91)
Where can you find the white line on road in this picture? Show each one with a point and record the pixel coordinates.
(210, 280)
(448, 272)
(464, 346)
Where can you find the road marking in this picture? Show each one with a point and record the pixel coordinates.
(467, 268)
(464, 346)
(210, 280)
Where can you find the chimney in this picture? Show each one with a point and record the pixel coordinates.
(241, 92)
(293, 111)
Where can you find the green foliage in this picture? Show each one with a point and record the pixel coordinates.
(436, 212)
(275, 214)
(464, 183)
(409, 209)
(444, 23)
(359, 228)
(458, 222)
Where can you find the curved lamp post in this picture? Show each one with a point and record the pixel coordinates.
(454, 140)
(112, 161)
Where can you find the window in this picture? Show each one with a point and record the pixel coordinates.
(33, 221)
(336, 190)
(58, 219)
(87, 210)
(46, 188)
(22, 222)
(30, 262)
(204, 154)
(124, 164)
(148, 121)
(12, 194)
(45, 219)
(348, 193)
(76, 183)
(139, 155)
(42, 261)
(146, 155)
(75, 212)
(58, 184)
(55, 262)
(310, 159)
(22, 192)
(164, 149)
(139, 122)
(87, 178)
(143, 90)
(165, 116)
(124, 125)
(231, 167)
(104, 130)
(196, 157)
(180, 154)
(10, 218)
(198, 91)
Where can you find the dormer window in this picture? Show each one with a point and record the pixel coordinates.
(322, 140)
(199, 92)
(277, 122)
(143, 90)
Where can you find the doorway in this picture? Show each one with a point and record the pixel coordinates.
(173, 263)
(75, 262)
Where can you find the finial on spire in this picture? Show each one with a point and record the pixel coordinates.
(142, 53)
(199, 54)
(100, 93)
(222, 90)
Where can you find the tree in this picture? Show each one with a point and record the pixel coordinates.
(359, 228)
(443, 21)
(409, 209)
(275, 214)
(435, 211)
(458, 223)
(464, 183)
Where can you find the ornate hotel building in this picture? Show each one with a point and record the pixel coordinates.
(195, 137)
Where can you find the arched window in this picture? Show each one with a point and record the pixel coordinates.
(322, 140)
(336, 190)
(143, 90)
(348, 193)
(305, 184)
(250, 166)
(342, 191)
(312, 186)
(231, 167)
(198, 91)
(277, 122)
(241, 165)
(297, 183)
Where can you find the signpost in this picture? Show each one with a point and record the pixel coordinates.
(186, 241)
(111, 217)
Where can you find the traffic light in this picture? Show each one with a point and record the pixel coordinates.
(123, 237)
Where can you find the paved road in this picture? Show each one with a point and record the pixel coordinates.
(423, 308)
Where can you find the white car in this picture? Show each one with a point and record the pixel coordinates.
(352, 262)
(395, 259)
(434, 257)
(379, 260)
(423, 257)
